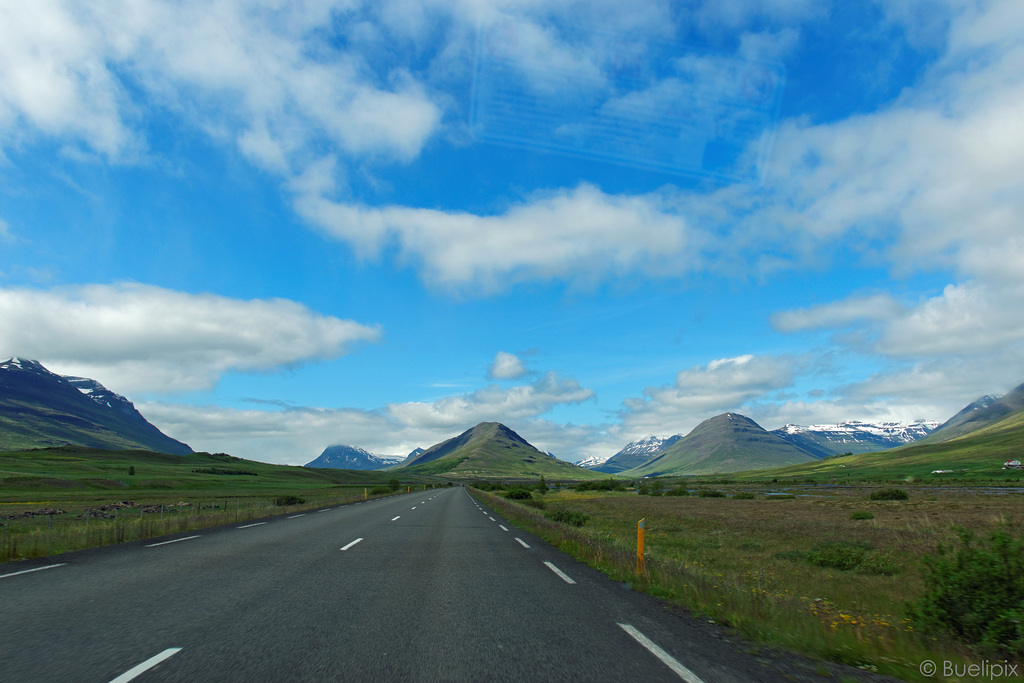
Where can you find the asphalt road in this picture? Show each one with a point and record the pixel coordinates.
(425, 586)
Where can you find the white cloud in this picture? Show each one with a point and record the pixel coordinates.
(701, 392)
(578, 234)
(839, 313)
(141, 338)
(6, 234)
(493, 403)
(263, 75)
(506, 366)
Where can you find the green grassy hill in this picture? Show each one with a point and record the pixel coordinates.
(725, 443)
(977, 456)
(491, 451)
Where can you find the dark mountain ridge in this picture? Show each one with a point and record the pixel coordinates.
(39, 408)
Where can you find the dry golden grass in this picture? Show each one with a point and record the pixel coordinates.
(743, 562)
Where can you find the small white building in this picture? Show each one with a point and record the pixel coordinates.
(1013, 465)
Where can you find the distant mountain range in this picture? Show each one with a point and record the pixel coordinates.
(342, 457)
(39, 408)
(985, 411)
(634, 454)
(823, 441)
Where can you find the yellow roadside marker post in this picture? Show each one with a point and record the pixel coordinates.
(640, 546)
(364, 494)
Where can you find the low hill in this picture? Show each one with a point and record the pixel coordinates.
(978, 415)
(491, 450)
(635, 454)
(39, 408)
(978, 455)
(725, 443)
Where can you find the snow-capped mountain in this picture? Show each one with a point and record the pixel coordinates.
(635, 453)
(592, 462)
(854, 436)
(42, 408)
(342, 457)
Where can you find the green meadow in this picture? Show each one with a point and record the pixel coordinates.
(68, 498)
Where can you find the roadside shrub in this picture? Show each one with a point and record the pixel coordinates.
(609, 484)
(541, 486)
(975, 593)
(518, 494)
(380, 490)
(394, 484)
(710, 493)
(570, 517)
(878, 564)
(744, 495)
(861, 514)
(289, 500)
(889, 494)
(844, 555)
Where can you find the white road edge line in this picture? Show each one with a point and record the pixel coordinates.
(351, 544)
(246, 526)
(565, 577)
(502, 527)
(396, 517)
(326, 510)
(522, 542)
(413, 507)
(667, 659)
(146, 665)
(491, 518)
(294, 516)
(186, 538)
(37, 569)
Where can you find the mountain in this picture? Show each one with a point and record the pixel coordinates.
(985, 411)
(341, 457)
(823, 441)
(636, 453)
(490, 450)
(725, 443)
(39, 408)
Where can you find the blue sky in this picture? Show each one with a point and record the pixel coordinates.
(276, 226)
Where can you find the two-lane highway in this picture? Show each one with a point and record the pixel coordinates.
(423, 586)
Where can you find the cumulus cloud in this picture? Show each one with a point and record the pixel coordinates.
(839, 313)
(705, 391)
(506, 366)
(143, 338)
(493, 403)
(263, 74)
(580, 233)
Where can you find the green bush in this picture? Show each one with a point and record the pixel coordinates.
(394, 484)
(678, 491)
(381, 490)
(889, 494)
(844, 555)
(861, 514)
(610, 484)
(975, 594)
(289, 500)
(571, 517)
(878, 564)
(744, 495)
(518, 494)
(710, 493)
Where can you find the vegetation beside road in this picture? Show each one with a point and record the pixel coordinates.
(70, 498)
(804, 571)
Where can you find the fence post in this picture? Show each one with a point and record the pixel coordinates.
(640, 546)
(50, 525)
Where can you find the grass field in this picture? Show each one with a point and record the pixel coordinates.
(761, 565)
(62, 499)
